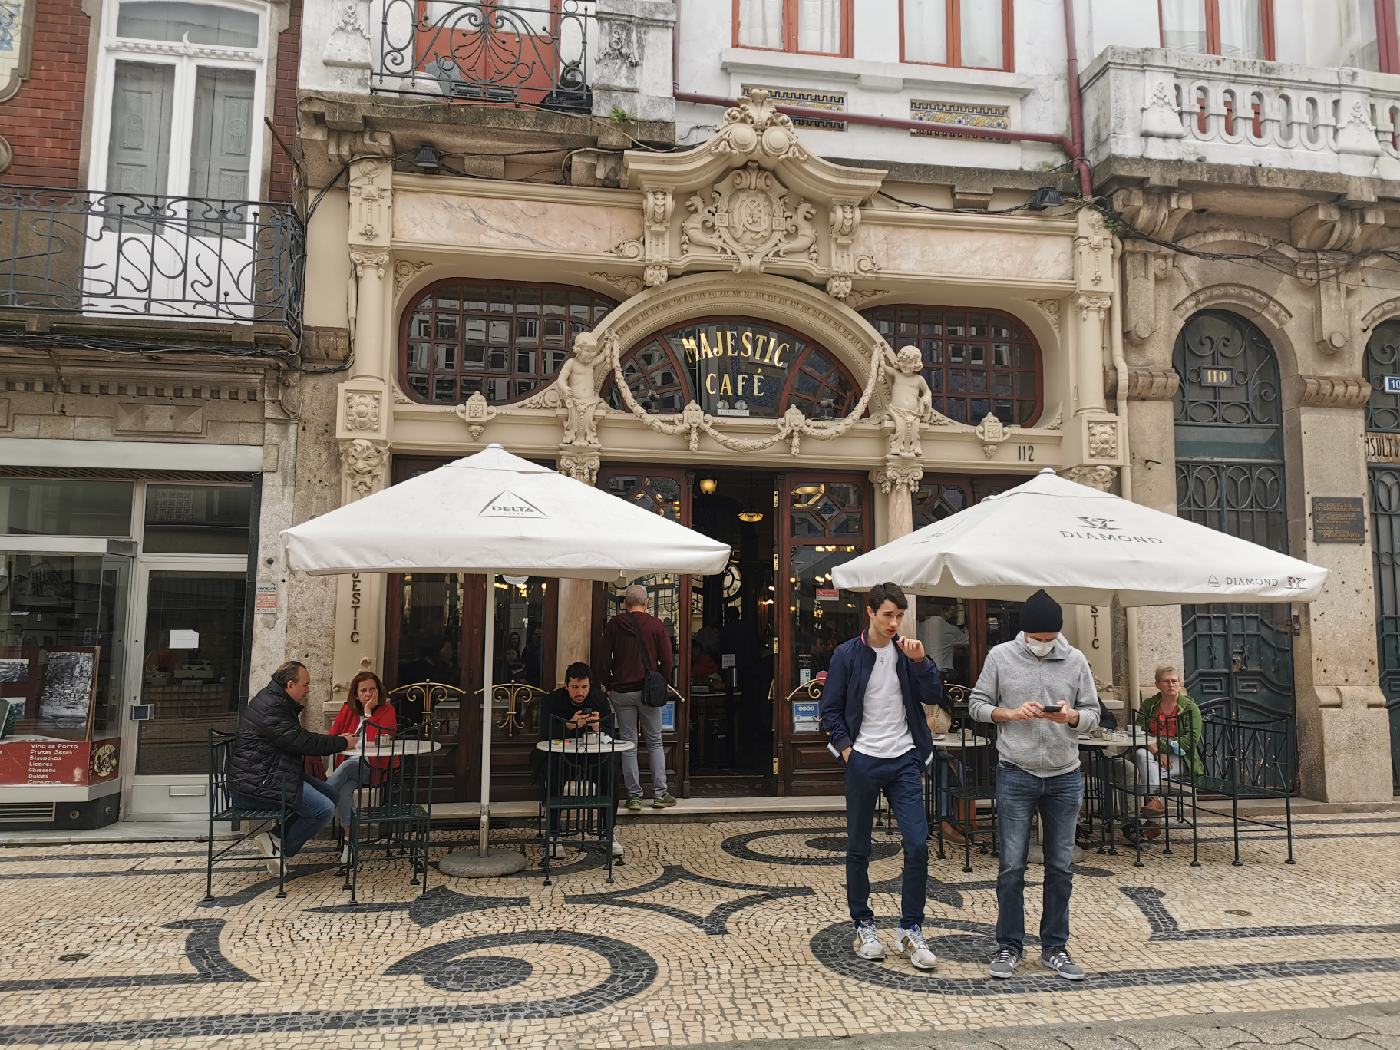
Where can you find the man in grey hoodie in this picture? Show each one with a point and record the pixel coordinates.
(1039, 691)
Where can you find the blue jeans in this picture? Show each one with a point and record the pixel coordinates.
(310, 812)
(1020, 796)
(902, 781)
(351, 774)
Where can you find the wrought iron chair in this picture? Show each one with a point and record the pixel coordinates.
(396, 798)
(420, 700)
(962, 790)
(514, 698)
(223, 808)
(580, 798)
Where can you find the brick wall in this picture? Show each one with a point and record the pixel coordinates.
(284, 105)
(44, 122)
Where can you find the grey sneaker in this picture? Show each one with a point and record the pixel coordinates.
(1004, 962)
(616, 848)
(1058, 959)
(634, 804)
(267, 846)
(910, 941)
(665, 800)
(868, 944)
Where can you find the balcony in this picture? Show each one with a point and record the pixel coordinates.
(534, 56)
(1158, 105)
(155, 258)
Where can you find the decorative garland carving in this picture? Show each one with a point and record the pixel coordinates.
(1335, 392)
(1051, 309)
(1236, 294)
(405, 272)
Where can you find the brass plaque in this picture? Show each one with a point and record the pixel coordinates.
(1338, 519)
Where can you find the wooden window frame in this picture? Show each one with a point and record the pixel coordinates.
(954, 37)
(790, 35)
(1212, 9)
(1388, 35)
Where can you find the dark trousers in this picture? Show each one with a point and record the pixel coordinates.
(902, 781)
(1020, 796)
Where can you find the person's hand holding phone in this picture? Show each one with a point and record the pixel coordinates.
(1058, 712)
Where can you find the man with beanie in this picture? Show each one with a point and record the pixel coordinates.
(872, 708)
(1039, 691)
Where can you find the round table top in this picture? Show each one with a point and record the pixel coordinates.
(955, 742)
(1116, 740)
(399, 748)
(591, 746)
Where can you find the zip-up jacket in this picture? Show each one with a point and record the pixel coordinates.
(1013, 675)
(843, 695)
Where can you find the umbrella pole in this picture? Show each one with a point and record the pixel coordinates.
(484, 862)
(487, 674)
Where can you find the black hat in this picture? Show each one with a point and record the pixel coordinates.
(1041, 614)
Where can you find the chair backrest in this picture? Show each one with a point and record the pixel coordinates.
(585, 768)
(414, 702)
(514, 699)
(400, 766)
(220, 756)
(1248, 745)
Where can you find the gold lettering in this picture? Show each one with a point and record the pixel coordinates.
(747, 340)
(726, 386)
(757, 384)
(692, 352)
(729, 342)
(705, 349)
(778, 355)
(710, 384)
(758, 347)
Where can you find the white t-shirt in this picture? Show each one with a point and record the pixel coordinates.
(884, 730)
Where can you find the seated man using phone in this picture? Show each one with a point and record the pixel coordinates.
(1039, 691)
(578, 708)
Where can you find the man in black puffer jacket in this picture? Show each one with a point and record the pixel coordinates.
(266, 765)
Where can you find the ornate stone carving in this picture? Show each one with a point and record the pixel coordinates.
(1237, 295)
(575, 390)
(579, 464)
(1335, 392)
(1160, 117)
(1357, 134)
(1146, 384)
(1057, 422)
(1093, 251)
(348, 43)
(399, 397)
(369, 200)
(910, 401)
(1381, 312)
(857, 298)
(898, 475)
(1103, 439)
(476, 413)
(624, 283)
(1328, 227)
(362, 410)
(754, 199)
(405, 272)
(366, 261)
(363, 464)
(1093, 304)
(992, 432)
(1101, 477)
(619, 42)
(1051, 309)
(1153, 211)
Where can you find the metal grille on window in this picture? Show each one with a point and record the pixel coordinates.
(503, 339)
(977, 362)
(1230, 477)
(1383, 418)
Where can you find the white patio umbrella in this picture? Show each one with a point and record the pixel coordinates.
(495, 513)
(1084, 547)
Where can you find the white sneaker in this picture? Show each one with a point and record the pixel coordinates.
(868, 944)
(617, 848)
(556, 850)
(268, 848)
(345, 855)
(911, 942)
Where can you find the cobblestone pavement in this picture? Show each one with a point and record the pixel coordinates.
(710, 933)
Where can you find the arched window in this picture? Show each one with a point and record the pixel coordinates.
(735, 367)
(1383, 373)
(977, 362)
(499, 337)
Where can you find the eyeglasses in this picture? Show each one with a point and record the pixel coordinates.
(1169, 681)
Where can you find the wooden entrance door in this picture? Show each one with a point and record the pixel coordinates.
(824, 520)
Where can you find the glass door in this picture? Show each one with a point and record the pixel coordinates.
(825, 521)
(192, 676)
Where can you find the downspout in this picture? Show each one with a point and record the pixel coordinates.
(1120, 366)
(1076, 106)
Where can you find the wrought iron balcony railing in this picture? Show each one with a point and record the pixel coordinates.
(488, 51)
(152, 257)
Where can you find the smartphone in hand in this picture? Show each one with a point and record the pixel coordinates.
(1052, 709)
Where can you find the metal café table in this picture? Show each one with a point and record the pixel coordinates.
(579, 781)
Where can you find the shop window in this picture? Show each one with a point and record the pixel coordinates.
(65, 507)
(1383, 373)
(735, 367)
(1233, 28)
(976, 34)
(977, 362)
(816, 27)
(197, 519)
(500, 338)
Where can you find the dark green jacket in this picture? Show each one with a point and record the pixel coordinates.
(1188, 728)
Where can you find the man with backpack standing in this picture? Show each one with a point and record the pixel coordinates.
(636, 659)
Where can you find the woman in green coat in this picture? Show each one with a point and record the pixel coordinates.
(1174, 720)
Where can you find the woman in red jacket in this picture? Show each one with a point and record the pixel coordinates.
(366, 705)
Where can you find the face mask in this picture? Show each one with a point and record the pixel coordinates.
(1040, 649)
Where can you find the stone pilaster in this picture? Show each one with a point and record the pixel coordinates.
(574, 635)
(359, 618)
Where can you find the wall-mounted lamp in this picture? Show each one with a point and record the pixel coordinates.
(428, 159)
(750, 517)
(1045, 197)
(708, 486)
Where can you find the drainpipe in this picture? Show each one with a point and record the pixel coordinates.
(1076, 106)
(1120, 365)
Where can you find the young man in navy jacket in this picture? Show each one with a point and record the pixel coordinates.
(872, 708)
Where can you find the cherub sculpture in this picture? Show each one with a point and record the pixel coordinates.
(578, 390)
(911, 400)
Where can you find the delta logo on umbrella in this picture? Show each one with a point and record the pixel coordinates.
(507, 504)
